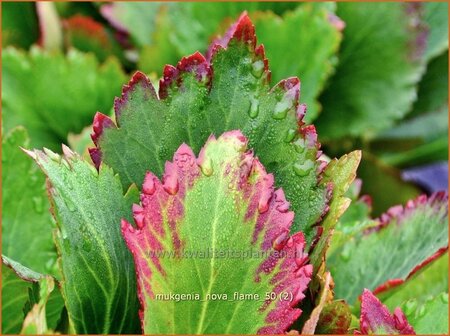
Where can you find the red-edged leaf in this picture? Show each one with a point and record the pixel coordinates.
(200, 96)
(405, 239)
(376, 318)
(188, 225)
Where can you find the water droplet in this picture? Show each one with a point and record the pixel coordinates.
(70, 204)
(345, 255)
(282, 107)
(421, 311)
(38, 204)
(410, 307)
(444, 297)
(206, 166)
(138, 215)
(299, 145)
(303, 169)
(280, 241)
(280, 111)
(171, 183)
(4, 158)
(290, 135)
(258, 68)
(149, 185)
(254, 108)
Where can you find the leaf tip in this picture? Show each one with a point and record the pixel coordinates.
(376, 318)
(96, 156)
(195, 63)
(31, 153)
(139, 79)
(101, 121)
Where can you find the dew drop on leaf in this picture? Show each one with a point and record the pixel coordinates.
(254, 108)
(410, 307)
(303, 169)
(421, 311)
(299, 145)
(257, 68)
(206, 166)
(281, 110)
(444, 297)
(38, 204)
(290, 135)
(70, 204)
(149, 185)
(345, 255)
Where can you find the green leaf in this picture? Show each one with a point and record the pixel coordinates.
(433, 88)
(15, 294)
(339, 173)
(302, 43)
(19, 24)
(199, 98)
(52, 94)
(420, 140)
(431, 317)
(424, 284)
(355, 219)
(423, 137)
(26, 220)
(404, 241)
(216, 226)
(436, 16)
(98, 274)
(429, 126)
(35, 322)
(379, 65)
(19, 284)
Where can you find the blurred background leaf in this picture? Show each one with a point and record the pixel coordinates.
(26, 221)
(19, 24)
(52, 94)
(379, 66)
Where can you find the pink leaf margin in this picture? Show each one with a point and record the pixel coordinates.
(376, 316)
(242, 31)
(273, 221)
(399, 214)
